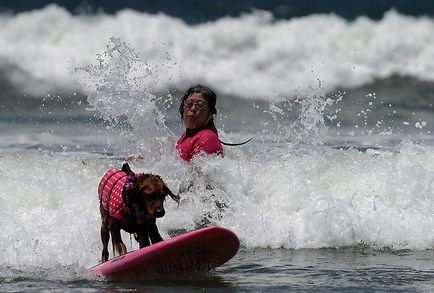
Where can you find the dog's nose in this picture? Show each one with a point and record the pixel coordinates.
(159, 213)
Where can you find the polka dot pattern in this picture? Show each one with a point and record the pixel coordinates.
(110, 192)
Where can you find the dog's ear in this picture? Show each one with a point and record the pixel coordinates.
(133, 195)
(176, 198)
(126, 168)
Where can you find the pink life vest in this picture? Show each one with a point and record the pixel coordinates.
(110, 193)
(203, 140)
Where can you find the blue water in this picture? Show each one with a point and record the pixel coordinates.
(334, 193)
(272, 270)
(194, 12)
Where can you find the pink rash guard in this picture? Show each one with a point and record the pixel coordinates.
(195, 141)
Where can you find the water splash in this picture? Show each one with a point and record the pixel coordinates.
(304, 119)
(119, 92)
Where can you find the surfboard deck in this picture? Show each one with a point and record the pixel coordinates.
(197, 251)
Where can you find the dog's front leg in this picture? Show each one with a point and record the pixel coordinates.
(142, 236)
(153, 232)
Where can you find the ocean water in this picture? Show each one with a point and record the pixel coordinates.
(334, 193)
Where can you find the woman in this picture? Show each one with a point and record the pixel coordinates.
(197, 109)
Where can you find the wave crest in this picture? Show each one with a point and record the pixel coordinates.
(252, 56)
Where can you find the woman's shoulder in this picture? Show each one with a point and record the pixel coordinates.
(208, 133)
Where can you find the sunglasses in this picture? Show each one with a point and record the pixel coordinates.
(197, 105)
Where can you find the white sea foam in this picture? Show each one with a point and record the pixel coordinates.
(307, 199)
(252, 56)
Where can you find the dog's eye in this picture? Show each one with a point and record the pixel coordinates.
(152, 197)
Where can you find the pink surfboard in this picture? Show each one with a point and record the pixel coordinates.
(193, 252)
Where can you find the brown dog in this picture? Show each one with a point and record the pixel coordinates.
(132, 203)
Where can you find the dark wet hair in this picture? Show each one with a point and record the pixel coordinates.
(206, 92)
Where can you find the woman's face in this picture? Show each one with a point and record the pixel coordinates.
(196, 111)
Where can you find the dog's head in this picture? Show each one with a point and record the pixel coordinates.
(148, 195)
